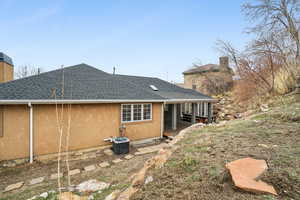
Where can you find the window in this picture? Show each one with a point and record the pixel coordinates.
(147, 111)
(126, 113)
(136, 112)
(153, 87)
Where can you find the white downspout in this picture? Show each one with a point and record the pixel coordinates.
(30, 132)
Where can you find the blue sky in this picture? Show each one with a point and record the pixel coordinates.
(160, 38)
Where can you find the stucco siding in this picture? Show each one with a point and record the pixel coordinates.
(90, 124)
(15, 140)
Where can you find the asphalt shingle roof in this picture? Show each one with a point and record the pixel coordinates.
(203, 69)
(84, 82)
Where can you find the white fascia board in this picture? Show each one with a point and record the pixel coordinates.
(3, 102)
(92, 101)
(171, 101)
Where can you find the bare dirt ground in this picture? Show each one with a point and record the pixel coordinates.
(116, 174)
(197, 169)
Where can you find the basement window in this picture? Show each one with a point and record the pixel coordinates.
(153, 87)
(136, 112)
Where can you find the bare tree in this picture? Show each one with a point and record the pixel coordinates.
(26, 70)
(281, 17)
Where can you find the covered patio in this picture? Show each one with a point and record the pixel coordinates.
(179, 115)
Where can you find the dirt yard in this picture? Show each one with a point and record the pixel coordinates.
(197, 169)
(116, 174)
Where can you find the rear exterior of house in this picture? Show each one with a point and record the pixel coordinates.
(94, 104)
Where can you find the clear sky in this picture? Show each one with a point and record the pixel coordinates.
(160, 38)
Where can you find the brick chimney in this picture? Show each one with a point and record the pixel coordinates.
(224, 63)
(6, 68)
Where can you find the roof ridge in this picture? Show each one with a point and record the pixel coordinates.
(55, 70)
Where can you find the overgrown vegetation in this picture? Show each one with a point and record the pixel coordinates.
(270, 64)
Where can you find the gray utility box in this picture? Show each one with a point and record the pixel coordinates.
(120, 145)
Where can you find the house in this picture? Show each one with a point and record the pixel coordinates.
(201, 78)
(100, 102)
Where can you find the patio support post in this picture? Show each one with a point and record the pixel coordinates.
(174, 116)
(209, 113)
(193, 113)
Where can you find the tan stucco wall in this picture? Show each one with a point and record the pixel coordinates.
(90, 124)
(15, 143)
(6, 72)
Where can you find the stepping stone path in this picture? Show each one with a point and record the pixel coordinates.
(129, 156)
(14, 186)
(104, 164)
(74, 171)
(55, 176)
(89, 168)
(118, 160)
(36, 180)
(92, 186)
(108, 152)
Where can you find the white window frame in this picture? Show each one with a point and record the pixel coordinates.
(132, 112)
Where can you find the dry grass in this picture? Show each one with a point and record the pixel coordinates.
(196, 170)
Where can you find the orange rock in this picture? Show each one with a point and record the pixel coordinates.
(245, 171)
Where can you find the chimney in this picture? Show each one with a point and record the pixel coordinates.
(224, 63)
(6, 68)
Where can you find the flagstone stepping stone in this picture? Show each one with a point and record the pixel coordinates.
(118, 160)
(129, 156)
(92, 186)
(89, 168)
(104, 164)
(108, 152)
(14, 186)
(56, 175)
(74, 172)
(36, 180)
(244, 173)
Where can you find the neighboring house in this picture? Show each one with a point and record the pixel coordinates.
(101, 104)
(203, 78)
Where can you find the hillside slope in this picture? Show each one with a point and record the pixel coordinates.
(197, 169)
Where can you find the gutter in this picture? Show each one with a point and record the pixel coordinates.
(90, 101)
(30, 132)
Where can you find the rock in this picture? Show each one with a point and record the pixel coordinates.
(92, 186)
(89, 168)
(244, 173)
(129, 156)
(56, 175)
(74, 172)
(113, 195)
(117, 161)
(108, 152)
(238, 115)
(263, 145)
(91, 197)
(9, 164)
(36, 180)
(14, 186)
(70, 196)
(44, 195)
(104, 164)
(149, 179)
(264, 108)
